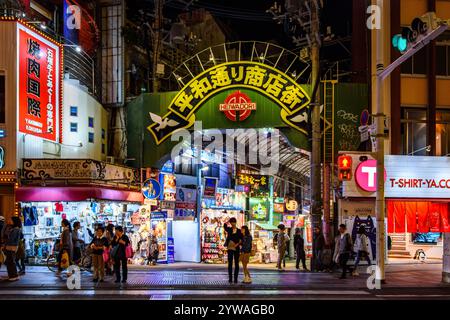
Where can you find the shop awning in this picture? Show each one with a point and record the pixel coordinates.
(265, 226)
(67, 194)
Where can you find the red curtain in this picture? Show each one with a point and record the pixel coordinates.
(420, 216)
(399, 217)
(422, 213)
(411, 216)
(445, 217)
(390, 211)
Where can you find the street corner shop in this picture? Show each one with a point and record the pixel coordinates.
(91, 192)
(417, 192)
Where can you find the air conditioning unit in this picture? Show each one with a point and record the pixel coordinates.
(110, 160)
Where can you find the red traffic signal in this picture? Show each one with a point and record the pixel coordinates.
(345, 168)
(344, 162)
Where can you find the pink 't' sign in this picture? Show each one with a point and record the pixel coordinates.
(366, 175)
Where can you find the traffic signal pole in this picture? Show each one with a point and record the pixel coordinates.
(378, 82)
(379, 116)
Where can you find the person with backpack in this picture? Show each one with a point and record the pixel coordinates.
(343, 249)
(299, 246)
(361, 248)
(282, 241)
(118, 254)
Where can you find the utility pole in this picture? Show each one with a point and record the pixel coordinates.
(157, 42)
(316, 197)
(379, 116)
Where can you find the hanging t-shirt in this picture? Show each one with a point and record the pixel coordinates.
(445, 217)
(59, 207)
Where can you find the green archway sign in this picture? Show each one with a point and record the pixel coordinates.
(268, 81)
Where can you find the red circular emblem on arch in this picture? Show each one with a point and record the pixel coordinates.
(237, 106)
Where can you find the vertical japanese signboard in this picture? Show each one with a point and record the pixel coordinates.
(39, 83)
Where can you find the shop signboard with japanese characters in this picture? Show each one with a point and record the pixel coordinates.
(264, 79)
(39, 82)
(256, 182)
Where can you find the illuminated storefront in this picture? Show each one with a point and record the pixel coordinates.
(417, 192)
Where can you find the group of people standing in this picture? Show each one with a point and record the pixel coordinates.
(239, 246)
(108, 248)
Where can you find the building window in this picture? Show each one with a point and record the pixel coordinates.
(91, 122)
(73, 111)
(103, 134)
(73, 127)
(417, 64)
(111, 22)
(91, 137)
(442, 132)
(414, 131)
(2, 98)
(103, 148)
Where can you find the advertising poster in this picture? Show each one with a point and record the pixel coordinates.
(39, 83)
(168, 182)
(370, 225)
(259, 209)
(210, 187)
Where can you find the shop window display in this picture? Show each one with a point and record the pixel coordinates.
(213, 234)
(42, 222)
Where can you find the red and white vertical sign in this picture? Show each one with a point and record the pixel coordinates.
(39, 83)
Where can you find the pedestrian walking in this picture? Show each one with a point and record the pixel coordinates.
(77, 242)
(299, 246)
(343, 249)
(232, 243)
(118, 253)
(12, 237)
(98, 245)
(282, 241)
(66, 244)
(246, 250)
(21, 255)
(319, 245)
(361, 248)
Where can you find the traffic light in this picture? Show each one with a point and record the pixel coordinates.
(420, 28)
(345, 168)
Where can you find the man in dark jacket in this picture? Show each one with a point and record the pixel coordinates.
(299, 246)
(121, 241)
(319, 244)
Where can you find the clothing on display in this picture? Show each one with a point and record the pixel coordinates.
(30, 216)
(42, 222)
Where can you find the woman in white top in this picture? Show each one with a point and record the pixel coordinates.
(361, 248)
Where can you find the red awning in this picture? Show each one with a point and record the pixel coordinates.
(68, 194)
